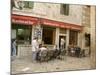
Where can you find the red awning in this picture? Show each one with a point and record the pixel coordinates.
(27, 20)
(61, 24)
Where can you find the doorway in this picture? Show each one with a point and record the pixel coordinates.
(64, 37)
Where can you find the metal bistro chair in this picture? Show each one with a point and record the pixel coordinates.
(82, 53)
(50, 54)
(77, 51)
(63, 52)
(42, 56)
(72, 52)
(56, 53)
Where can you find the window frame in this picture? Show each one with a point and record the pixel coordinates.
(73, 37)
(53, 34)
(87, 40)
(28, 4)
(64, 9)
(24, 27)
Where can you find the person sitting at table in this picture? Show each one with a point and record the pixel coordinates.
(42, 48)
(41, 53)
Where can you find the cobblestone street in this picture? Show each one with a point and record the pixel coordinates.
(25, 65)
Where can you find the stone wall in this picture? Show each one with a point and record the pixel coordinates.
(52, 11)
(93, 37)
(24, 51)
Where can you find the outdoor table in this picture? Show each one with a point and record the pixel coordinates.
(74, 51)
(50, 54)
(46, 55)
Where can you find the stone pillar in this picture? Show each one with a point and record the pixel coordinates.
(67, 39)
(79, 41)
(32, 33)
(57, 37)
(93, 36)
(83, 40)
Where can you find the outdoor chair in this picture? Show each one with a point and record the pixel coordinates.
(63, 52)
(50, 54)
(77, 51)
(42, 56)
(56, 53)
(71, 51)
(82, 53)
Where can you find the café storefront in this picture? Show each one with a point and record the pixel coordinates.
(49, 32)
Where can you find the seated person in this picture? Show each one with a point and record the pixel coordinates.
(41, 53)
(42, 48)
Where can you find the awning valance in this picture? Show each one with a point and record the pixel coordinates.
(24, 19)
(28, 20)
(61, 24)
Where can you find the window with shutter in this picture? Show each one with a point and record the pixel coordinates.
(64, 10)
(28, 4)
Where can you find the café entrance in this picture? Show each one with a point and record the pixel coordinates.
(64, 37)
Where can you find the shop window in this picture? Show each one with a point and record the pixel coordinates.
(87, 40)
(73, 36)
(64, 10)
(23, 33)
(23, 36)
(48, 35)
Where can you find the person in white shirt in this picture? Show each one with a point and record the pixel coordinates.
(62, 43)
(35, 47)
(14, 50)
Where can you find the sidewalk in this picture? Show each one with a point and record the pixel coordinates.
(25, 65)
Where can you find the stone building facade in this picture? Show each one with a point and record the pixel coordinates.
(51, 21)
